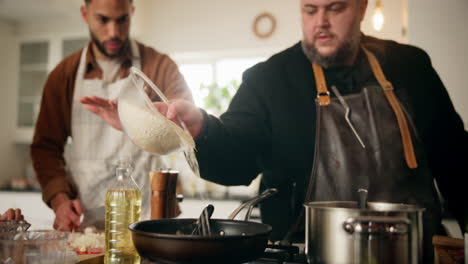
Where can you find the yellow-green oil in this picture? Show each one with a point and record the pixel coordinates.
(123, 207)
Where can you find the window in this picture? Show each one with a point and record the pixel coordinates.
(213, 82)
(232, 69)
(197, 75)
(205, 77)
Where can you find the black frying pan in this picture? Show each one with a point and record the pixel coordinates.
(169, 241)
(157, 240)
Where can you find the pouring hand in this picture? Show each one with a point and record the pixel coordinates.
(188, 113)
(105, 108)
(12, 214)
(67, 212)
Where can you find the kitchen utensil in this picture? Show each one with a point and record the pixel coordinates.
(362, 199)
(146, 127)
(203, 225)
(232, 241)
(340, 232)
(347, 114)
(41, 246)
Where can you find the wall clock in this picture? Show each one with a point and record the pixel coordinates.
(264, 25)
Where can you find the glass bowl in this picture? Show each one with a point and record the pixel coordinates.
(41, 246)
(146, 127)
(13, 225)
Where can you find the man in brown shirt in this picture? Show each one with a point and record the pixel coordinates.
(76, 185)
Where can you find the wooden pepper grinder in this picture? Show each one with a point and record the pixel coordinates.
(163, 194)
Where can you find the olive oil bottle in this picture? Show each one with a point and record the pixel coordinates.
(123, 207)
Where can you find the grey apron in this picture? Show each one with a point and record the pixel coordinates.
(371, 152)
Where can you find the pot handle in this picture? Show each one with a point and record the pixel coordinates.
(252, 202)
(377, 225)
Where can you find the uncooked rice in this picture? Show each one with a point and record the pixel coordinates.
(150, 131)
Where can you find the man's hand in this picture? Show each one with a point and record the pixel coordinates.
(12, 214)
(187, 112)
(67, 212)
(105, 108)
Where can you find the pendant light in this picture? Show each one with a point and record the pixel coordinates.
(378, 18)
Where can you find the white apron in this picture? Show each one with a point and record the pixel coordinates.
(96, 146)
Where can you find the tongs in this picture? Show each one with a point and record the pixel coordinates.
(202, 226)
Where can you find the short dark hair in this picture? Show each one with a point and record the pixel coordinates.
(89, 1)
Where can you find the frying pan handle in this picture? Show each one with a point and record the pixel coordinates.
(252, 202)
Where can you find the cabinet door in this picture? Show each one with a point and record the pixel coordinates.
(34, 57)
(72, 45)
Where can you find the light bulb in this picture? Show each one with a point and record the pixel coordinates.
(378, 19)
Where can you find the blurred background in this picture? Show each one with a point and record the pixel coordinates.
(212, 41)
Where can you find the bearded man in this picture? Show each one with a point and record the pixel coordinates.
(75, 104)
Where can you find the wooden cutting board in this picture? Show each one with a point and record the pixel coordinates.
(91, 259)
(448, 250)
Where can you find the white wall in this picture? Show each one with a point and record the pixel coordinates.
(50, 27)
(9, 61)
(225, 27)
(213, 26)
(440, 28)
(394, 21)
(180, 26)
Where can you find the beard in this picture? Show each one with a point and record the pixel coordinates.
(100, 46)
(339, 58)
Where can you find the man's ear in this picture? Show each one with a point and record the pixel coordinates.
(363, 8)
(84, 14)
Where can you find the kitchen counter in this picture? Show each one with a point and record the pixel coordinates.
(35, 211)
(20, 190)
(91, 259)
(40, 216)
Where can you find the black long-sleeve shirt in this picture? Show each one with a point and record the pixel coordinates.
(269, 127)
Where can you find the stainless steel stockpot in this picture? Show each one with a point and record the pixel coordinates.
(337, 232)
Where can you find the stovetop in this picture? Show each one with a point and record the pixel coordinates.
(279, 254)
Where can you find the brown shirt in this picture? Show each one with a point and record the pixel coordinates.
(53, 126)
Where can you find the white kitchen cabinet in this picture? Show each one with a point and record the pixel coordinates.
(37, 58)
(69, 46)
(34, 58)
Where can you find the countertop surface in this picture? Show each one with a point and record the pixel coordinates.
(91, 259)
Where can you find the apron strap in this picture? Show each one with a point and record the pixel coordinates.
(402, 123)
(323, 97)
